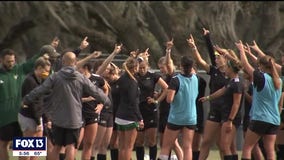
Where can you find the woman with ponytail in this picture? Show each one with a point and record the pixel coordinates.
(233, 93)
(182, 94)
(216, 71)
(148, 107)
(167, 70)
(128, 117)
(265, 110)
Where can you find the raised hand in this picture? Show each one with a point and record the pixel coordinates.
(254, 46)
(240, 46)
(134, 53)
(247, 49)
(146, 53)
(220, 50)
(84, 44)
(170, 44)
(271, 61)
(191, 42)
(117, 48)
(96, 54)
(205, 31)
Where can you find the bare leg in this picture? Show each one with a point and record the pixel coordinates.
(211, 132)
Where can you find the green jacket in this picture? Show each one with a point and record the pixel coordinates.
(11, 89)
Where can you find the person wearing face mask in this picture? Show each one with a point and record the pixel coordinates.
(30, 118)
(12, 76)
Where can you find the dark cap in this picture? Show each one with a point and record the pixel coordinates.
(50, 50)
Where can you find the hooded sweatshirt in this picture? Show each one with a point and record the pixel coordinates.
(67, 87)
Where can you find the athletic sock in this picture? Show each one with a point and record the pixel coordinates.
(235, 157)
(114, 154)
(101, 157)
(228, 157)
(140, 153)
(170, 155)
(280, 152)
(153, 152)
(195, 155)
(61, 156)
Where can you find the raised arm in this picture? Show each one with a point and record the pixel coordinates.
(249, 53)
(84, 44)
(209, 45)
(196, 54)
(107, 61)
(225, 52)
(257, 49)
(260, 53)
(95, 54)
(169, 61)
(275, 75)
(249, 69)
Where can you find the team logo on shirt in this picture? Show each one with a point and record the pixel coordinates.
(15, 76)
(211, 116)
(1, 81)
(236, 79)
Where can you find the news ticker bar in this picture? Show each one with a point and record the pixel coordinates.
(29, 153)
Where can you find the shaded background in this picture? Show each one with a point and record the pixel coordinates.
(26, 26)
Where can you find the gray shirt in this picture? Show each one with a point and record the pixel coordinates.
(67, 87)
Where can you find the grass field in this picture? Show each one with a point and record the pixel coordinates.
(214, 155)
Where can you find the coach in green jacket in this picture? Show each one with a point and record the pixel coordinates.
(12, 76)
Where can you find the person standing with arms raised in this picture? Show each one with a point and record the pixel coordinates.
(12, 76)
(265, 110)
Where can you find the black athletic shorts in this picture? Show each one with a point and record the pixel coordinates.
(106, 119)
(90, 120)
(47, 132)
(282, 116)
(215, 113)
(149, 114)
(236, 122)
(200, 119)
(163, 120)
(245, 124)
(65, 136)
(9, 131)
(178, 127)
(262, 128)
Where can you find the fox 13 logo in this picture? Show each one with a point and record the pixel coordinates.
(29, 146)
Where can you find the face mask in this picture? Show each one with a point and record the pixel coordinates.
(44, 75)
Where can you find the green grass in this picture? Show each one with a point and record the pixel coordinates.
(214, 154)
